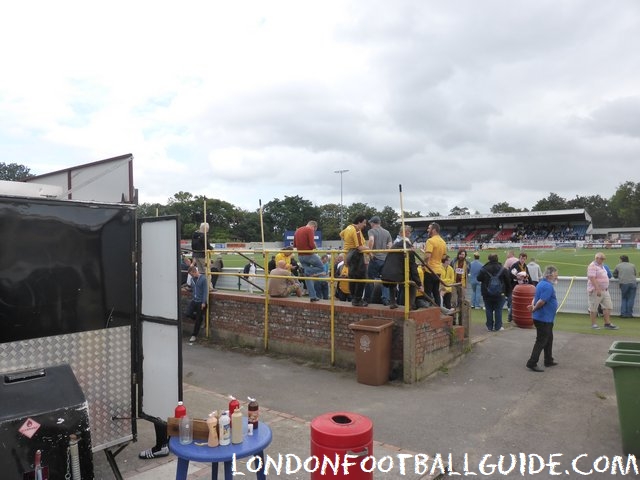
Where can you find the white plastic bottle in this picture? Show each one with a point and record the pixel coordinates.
(224, 428)
(236, 426)
(212, 423)
(186, 430)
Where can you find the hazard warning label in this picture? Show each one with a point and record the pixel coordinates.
(29, 428)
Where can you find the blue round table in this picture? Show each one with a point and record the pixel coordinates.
(199, 451)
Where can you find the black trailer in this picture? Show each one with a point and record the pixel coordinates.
(91, 286)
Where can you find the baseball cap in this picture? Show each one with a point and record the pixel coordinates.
(374, 219)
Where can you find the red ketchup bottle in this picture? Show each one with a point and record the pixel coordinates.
(180, 411)
(233, 404)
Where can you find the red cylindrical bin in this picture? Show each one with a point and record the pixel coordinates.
(342, 433)
(521, 298)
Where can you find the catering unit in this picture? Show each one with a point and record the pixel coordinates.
(89, 328)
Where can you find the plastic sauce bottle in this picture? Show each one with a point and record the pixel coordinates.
(253, 413)
(212, 424)
(180, 411)
(233, 404)
(186, 430)
(236, 426)
(224, 429)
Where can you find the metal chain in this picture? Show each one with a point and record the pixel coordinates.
(68, 474)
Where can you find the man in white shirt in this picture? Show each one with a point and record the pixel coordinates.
(598, 290)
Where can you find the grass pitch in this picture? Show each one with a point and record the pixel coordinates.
(569, 261)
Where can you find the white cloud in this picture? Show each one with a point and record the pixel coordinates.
(464, 103)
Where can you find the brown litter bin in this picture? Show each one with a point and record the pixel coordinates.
(373, 350)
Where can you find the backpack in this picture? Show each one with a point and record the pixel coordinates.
(495, 287)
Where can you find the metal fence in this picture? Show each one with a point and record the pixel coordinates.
(571, 291)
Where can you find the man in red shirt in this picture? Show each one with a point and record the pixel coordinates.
(304, 242)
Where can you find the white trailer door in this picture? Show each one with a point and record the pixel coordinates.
(159, 356)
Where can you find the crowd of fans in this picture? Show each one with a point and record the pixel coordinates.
(521, 233)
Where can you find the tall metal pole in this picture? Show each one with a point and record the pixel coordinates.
(341, 208)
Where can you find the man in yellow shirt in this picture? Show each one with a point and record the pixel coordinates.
(434, 251)
(285, 254)
(355, 246)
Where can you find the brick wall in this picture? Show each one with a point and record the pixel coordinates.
(296, 327)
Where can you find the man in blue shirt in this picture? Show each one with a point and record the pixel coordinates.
(476, 286)
(543, 310)
(198, 304)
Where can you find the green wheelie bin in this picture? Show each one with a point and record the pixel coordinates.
(625, 347)
(626, 376)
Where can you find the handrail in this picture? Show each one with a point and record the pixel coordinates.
(330, 278)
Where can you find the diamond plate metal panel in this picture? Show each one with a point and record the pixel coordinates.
(101, 361)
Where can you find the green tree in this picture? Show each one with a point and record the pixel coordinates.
(390, 218)
(504, 207)
(146, 210)
(329, 221)
(459, 211)
(626, 205)
(356, 209)
(410, 214)
(598, 208)
(185, 206)
(247, 227)
(14, 172)
(552, 202)
(288, 214)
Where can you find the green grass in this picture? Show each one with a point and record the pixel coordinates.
(570, 262)
(578, 323)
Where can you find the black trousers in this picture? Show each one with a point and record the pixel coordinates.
(432, 286)
(544, 343)
(357, 270)
(196, 312)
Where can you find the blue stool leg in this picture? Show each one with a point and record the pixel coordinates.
(228, 473)
(214, 471)
(183, 466)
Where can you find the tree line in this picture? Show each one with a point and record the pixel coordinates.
(230, 223)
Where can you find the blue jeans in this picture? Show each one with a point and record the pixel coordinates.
(311, 265)
(476, 294)
(322, 289)
(628, 294)
(493, 310)
(374, 271)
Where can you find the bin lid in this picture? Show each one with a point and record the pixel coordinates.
(371, 324)
(623, 360)
(342, 430)
(624, 347)
(37, 391)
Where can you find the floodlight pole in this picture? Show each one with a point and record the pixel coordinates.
(341, 208)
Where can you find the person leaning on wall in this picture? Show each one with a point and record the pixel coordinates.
(626, 274)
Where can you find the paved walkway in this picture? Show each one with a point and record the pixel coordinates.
(488, 403)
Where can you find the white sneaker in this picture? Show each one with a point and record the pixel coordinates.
(149, 454)
(192, 339)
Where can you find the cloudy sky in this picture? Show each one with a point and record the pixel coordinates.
(463, 102)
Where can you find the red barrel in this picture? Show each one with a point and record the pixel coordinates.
(342, 433)
(521, 298)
